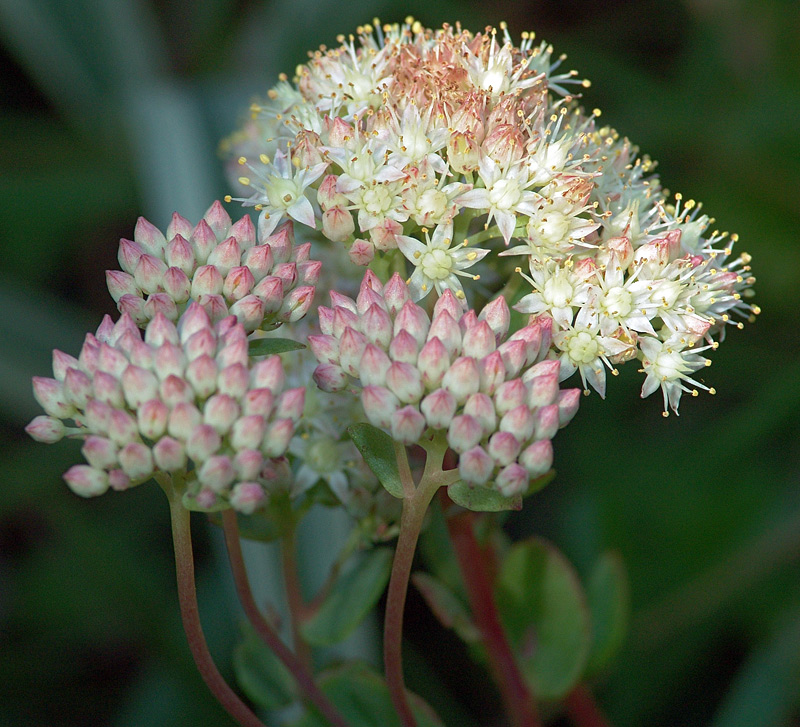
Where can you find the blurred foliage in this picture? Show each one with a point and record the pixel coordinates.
(113, 108)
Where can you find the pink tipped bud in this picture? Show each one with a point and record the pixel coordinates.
(138, 385)
(234, 380)
(233, 352)
(543, 390)
(249, 311)
(203, 242)
(77, 388)
(480, 407)
(152, 419)
(379, 404)
(248, 433)
(51, 396)
(351, 348)
(62, 362)
(120, 284)
(161, 303)
(407, 425)
(214, 306)
(433, 361)
(368, 297)
(86, 481)
(46, 429)
(475, 466)
(547, 422)
(479, 341)
(327, 194)
(339, 300)
(519, 421)
(217, 473)
(330, 377)
(290, 404)
(133, 306)
(183, 420)
(202, 443)
(149, 273)
(324, 348)
(297, 304)
(268, 374)
(98, 416)
(259, 260)
(537, 458)
(177, 285)
(244, 231)
(509, 395)
(377, 325)
(413, 319)
(201, 373)
(325, 318)
(384, 235)
(404, 348)
(179, 254)
(277, 438)
(340, 133)
(464, 433)
(497, 315)
(361, 252)
(238, 283)
(623, 250)
(207, 280)
(248, 462)
(445, 328)
(468, 320)
(247, 497)
(514, 354)
(405, 382)
(395, 293)
(463, 152)
(503, 448)
(448, 302)
(118, 480)
(462, 378)
(287, 272)
(169, 455)
(270, 290)
(174, 390)
(218, 219)
(373, 366)
(439, 408)
(338, 224)
(568, 402)
(492, 372)
(178, 225)
(106, 388)
(128, 255)
(342, 318)
(533, 337)
(221, 411)
(282, 242)
(122, 427)
(136, 460)
(512, 480)
(149, 237)
(504, 144)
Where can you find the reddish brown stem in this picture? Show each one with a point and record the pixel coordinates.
(583, 710)
(517, 698)
(265, 631)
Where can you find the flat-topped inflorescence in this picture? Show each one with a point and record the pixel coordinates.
(183, 400)
(220, 265)
(496, 400)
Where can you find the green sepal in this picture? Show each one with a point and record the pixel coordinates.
(362, 698)
(351, 598)
(448, 608)
(377, 449)
(260, 673)
(608, 595)
(270, 346)
(544, 611)
(482, 499)
(540, 482)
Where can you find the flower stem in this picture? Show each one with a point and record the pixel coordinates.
(583, 710)
(294, 596)
(265, 631)
(517, 698)
(190, 615)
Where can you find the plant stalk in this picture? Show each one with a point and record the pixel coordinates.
(583, 710)
(294, 596)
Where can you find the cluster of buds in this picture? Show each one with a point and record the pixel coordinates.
(183, 400)
(496, 401)
(219, 265)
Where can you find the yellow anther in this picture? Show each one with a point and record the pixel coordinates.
(245, 181)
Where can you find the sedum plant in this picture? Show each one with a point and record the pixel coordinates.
(445, 240)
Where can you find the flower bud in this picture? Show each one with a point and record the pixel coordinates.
(462, 378)
(519, 421)
(169, 455)
(537, 458)
(120, 283)
(136, 460)
(297, 304)
(568, 402)
(330, 377)
(512, 480)
(202, 443)
(413, 319)
(99, 452)
(248, 433)
(149, 237)
(247, 497)
(238, 283)
(338, 224)
(403, 348)
(464, 433)
(118, 480)
(384, 235)
(361, 252)
(174, 390)
(128, 255)
(405, 382)
(377, 326)
(46, 429)
(480, 407)
(247, 462)
(277, 438)
(439, 407)
(503, 448)
(217, 473)
(179, 254)
(479, 341)
(249, 311)
(77, 388)
(152, 418)
(379, 404)
(139, 385)
(268, 374)
(270, 290)
(86, 481)
(290, 404)
(218, 219)
(546, 422)
(407, 425)
(396, 294)
(373, 366)
(497, 315)
(509, 395)
(445, 328)
(475, 466)
(351, 348)
(327, 195)
(149, 273)
(258, 260)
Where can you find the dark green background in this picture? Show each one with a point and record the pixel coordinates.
(113, 108)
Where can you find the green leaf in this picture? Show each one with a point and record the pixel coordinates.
(351, 599)
(363, 699)
(447, 607)
(546, 617)
(609, 603)
(377, 449)
(270, 346)
(482, 499)
(260, 673)
(540, 482)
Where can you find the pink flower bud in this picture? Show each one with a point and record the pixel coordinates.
(464, 433)
(369, 292)
(467, 321)
(462, 378)
(342, 318)
(193, 320)
(111, 360)
(504, 144)
(622, 249)
(537, 458)
(325, 316)
(338, 224)
(373, 366)
(361, 252)
(247, 462)
(277, 438)
(177, 285)
(248, 433)
(98, 415)
(568, 402)
(118, 480)
(179, 254)
(152, 418)
(259, 260)
(234, 380)
(46, 429)
(396, 294)
(149, 273)
(351, 348)
(330, 377)
(514, 354)
(282, 242)
(445, 328)
(233, 352)
(169, 455)
(174, 390)
(244, 231)
(77, 388)
(106, 389)
(404, 348)
(546, 422)
(270, 290)
(247, 497)
(203, 242)
(122, 427)
(479, 341)
(324, 348)
(238, 283)
(207, 280)
(218, 219)
(519, 421)
(327, 194)
(214, 306)
(268, 374)
(201, 373)
(340, 133)
(308, 272)
(379, 404)
(297, 304)
(509, 395)
(438, 408)
(475, 466)
(290, 404)
(178, 225)
(377, 326)
(512, 480)
(160, 303)
(480, 407)
(543, 390)
(120, 283)
(138, 385)
(405, 382)
(149, 237)
(136, 460)
(492, 372)
(287, 272)
(62, 362)
(202, 443)
(258, 401)
(497, 315)
(407, 425)
(414, 320)
(128, 255)
(221, 411)
(86, 481)
(183, 420)
(448, 302)
(433, 361)
(503, 448)
(249, 311)
(217, 473)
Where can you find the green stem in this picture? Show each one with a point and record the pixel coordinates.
(190, 615)
(265, 631)
(294, 595)
(583, 710)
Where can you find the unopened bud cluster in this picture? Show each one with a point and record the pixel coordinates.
(182, 401)
(218, 264)
(497, 402)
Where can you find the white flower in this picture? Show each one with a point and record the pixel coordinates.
(557, 291)
(437, 265)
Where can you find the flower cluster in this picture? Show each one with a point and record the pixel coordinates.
(496, 401)
(413, 146)
(218, 264)
(181, 400)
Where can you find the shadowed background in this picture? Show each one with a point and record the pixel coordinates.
(114, 108)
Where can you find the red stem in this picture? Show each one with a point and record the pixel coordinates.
(516, 696)
(583, 710)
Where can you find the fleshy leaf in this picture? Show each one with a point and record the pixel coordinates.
(260, 673)
(270, 346)
(362, 698)
(482, 499)
(608, 597)
(351, 598)
(545, 614)
(377, 449)
(447, 607)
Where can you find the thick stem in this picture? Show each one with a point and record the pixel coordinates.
(265, 631)
(294, 596)
(583, 710)
(517, 698)
(184, 567)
